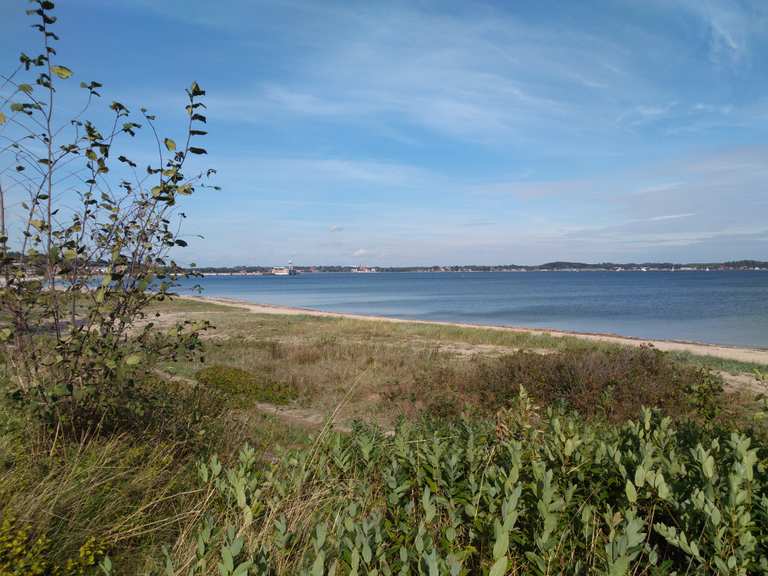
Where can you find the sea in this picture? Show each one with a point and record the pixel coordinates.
(717, 307)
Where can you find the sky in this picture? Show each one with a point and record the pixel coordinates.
(421, 133)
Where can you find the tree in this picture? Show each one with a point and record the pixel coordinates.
(91, 248)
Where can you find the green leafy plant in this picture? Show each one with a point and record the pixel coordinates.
(22, 554)
(94, 249)
(552, 495)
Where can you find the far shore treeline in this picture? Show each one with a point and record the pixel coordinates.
(548, 267)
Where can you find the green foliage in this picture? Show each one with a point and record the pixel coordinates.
(542, 494)
(610, 383)
(22, 554)
(245, 386)
(87, 261)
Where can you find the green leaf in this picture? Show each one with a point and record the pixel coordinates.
(194, 150)
(318, 566)
(499, 568)
(709, 467)
(227, 561)
(62, 72)
(620, 567)
(640, 476)
(631, 492)
(170, 144)
(502, 542)
(195, 89)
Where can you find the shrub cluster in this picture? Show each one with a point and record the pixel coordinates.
(246, 386)
(608, 383)
(539, 494)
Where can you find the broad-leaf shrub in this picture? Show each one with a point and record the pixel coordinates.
(540, 494)
(94, 245)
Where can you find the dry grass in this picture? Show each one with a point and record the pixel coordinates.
(407, 370)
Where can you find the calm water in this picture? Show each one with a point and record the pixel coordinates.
(715, 307)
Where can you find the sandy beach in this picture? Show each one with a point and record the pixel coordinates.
(740, 354)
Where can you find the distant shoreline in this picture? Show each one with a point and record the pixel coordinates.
(586, 270)
(559, 266)
(737, 353)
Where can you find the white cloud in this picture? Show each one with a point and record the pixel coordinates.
(671, 217)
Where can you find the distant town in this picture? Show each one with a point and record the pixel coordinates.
(291, 270)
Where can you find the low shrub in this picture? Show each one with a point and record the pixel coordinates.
(22, 554)
(151, 407)
(246, 386)
(605, 383)
(539, 493)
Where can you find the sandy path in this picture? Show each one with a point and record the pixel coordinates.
(756, 355)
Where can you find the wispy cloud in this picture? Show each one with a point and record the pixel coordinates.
(728, 24)
(413, 130)
(671, 217)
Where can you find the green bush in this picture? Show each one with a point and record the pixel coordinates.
(22, 554)
(607, 383)
(246, 386)
(78, 282)
(538, 494)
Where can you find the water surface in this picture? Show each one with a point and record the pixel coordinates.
(714, 307)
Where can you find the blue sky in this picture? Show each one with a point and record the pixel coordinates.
(392, 133)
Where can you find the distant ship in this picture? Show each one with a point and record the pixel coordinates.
(284, 270)
(364, 269)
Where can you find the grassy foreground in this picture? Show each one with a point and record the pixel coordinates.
(470, 452)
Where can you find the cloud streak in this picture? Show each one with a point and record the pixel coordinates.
(453, 131)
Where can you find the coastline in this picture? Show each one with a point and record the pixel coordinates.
(740, 354)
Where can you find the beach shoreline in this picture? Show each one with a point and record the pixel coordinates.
(737, 353)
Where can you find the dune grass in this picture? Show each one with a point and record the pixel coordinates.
(239, 323)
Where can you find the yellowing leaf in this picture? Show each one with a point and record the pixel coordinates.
(133, 359)
(62, 72)
(170, 144)
(2, 118)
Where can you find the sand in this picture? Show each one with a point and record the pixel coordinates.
(755, 355)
